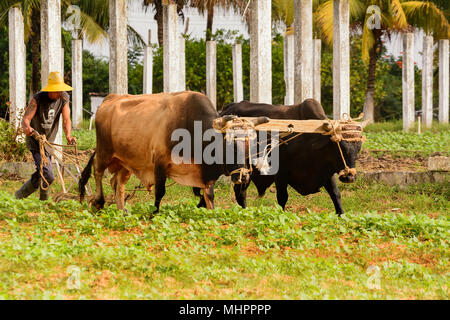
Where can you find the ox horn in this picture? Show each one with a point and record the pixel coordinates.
(364, 123)
(220, 123)
(260, 120)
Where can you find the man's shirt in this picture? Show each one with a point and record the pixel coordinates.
(46, 119)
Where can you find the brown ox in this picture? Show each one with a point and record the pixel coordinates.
(134, 137)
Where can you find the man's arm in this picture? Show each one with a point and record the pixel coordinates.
(30, 111)
(67, 124)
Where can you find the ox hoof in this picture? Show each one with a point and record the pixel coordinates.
(97, 205)
(154, 213)
(201, 204)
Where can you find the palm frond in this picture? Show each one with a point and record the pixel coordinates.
(324, 20)
(399, 20)
(134, 38)
(283, 11)
(425, 15)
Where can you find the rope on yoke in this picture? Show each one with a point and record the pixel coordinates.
(345, 131)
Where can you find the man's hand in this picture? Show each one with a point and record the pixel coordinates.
(71, 140)
(28, 130)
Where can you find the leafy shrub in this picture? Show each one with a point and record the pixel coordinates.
(425, 144)
(12, 146)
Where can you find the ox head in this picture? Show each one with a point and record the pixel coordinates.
(238, 135)
(348, 140)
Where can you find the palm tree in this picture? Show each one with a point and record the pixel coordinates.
(395, 16)
(91, 20)
(207, 6)
(158, 8)
(94, 21)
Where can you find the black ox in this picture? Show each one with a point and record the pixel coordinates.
(307, 162)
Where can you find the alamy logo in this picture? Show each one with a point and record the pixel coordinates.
(73, 22)
(373, 281)
(73, 281)
(234, 147)
(374, 20)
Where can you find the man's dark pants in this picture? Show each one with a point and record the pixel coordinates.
(47, 170)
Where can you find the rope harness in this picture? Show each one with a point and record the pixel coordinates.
(347, 129)
(240, 130)
(43, 143)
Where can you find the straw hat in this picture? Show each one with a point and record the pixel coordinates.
(55, 83)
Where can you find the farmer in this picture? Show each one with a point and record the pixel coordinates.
(42, 115)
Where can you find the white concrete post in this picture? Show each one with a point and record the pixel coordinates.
(77, 83)
(17, 67)
(148, 66)
(289, 68)
(303, 50)
(261, 51)
(50, 38)
(427, 81)
(341, 58)
(170, 59)
(238, 89)
(443, 80)
(408, 81)
(211, 72)
(51, 45)
(317, 57)
(59, 134)
(118, 47)
(182, 51)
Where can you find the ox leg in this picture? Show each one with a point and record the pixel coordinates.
(121, 178)
(202, 203)
(208, 195)
(160, 186)
(99, 170)
(282, 193)
(240, 192)
(333, 191)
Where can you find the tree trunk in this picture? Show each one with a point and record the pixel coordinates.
(209, 23)
(35, 58)
(369, 103)
(159, 20)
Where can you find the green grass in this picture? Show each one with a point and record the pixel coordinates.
(397, 125)
(388, 137)
(85, 139)
(409, 144)
(261, 252)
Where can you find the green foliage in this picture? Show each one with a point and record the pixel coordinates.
(4, 70)
(409, 143)
(86, 140)
(388, 98)
(260, 252)
(11, 148)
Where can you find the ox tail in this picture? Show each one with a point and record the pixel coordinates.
(85, 175)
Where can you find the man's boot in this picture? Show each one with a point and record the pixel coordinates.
(26, 190)
(44, 194)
